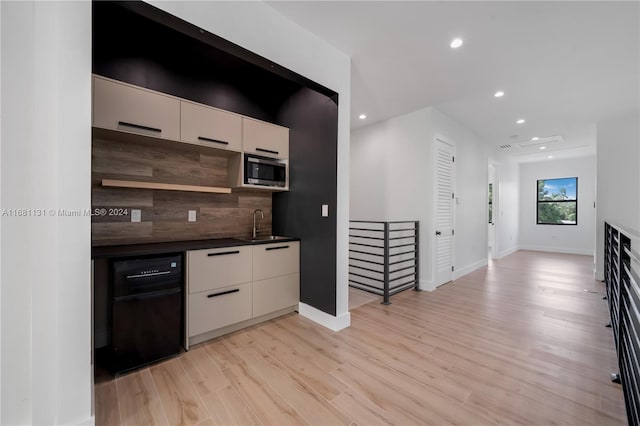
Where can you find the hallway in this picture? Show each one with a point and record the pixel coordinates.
(520, 342)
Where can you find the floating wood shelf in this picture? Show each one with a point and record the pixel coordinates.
(164, 186)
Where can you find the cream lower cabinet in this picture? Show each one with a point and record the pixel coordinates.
(233, 287)
(275, 294)
(220, 292)
(276, 276)
(218, 308)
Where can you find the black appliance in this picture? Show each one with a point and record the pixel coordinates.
(146, 315)
(265, 171)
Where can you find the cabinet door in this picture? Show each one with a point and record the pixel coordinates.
(216, 268)
(219, 308)
(118, 106)
(276, 293)
(210, 127)
(274, 260)
(265, 139)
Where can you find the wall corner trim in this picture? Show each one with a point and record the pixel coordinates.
(90, 421)
(427, 285)
(507, 252)
(334, 323)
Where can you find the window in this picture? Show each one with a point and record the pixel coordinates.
(557, 202)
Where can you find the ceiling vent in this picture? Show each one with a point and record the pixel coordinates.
(542, 141)
(506, 146)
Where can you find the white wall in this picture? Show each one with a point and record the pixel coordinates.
(618, 190)
(391, 179)
(471, 192)
(45, 265)
(578, 239)
(261, 29)
(391, 175)
(507, 211)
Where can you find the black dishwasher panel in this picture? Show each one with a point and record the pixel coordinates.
(146, 311)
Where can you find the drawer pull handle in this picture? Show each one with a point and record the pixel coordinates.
(202, 138)
(267, 150)
(277, 248)
(222, 253)
(139, 126)
(222, 293)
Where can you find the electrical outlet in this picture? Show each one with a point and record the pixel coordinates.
(192, 215)
(136, 215)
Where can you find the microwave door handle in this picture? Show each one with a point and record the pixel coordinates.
(267, 162)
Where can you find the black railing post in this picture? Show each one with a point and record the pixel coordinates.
(417, 256)
(386, 265)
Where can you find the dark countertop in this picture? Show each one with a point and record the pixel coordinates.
(125, 250)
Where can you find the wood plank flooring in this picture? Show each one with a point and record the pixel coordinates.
(521, 342)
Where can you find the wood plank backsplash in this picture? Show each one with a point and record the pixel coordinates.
(164, 213)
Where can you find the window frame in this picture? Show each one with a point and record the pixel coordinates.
(538, 202)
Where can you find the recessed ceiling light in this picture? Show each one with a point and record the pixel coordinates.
(455, 43)
(499, 94)
(549, 156)
(543, 147)
(520, 121)
(535, 138)
(362, 116)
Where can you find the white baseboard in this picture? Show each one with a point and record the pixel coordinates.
(508, 251)
(469, 268)
(559, 250)
(334, 323)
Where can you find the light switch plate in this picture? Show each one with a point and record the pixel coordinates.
(192, 215)
(136, 215)
(325, 210)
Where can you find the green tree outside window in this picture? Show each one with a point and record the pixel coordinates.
(557, 201)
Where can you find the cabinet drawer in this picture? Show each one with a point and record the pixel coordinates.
(216, 268)
(118, 106)
(218, 308)
(273, 260)
(210, 127)
(275, 293)
(265, 139)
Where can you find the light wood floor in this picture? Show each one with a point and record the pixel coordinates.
(520, 342)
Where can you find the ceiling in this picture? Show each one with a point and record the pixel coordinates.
(562, 65)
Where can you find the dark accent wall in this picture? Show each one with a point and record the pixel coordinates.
(313, 120)
(139, 44)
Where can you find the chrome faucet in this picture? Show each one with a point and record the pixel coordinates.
(256, 230)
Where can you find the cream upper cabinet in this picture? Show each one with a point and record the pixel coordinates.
(123, 107)
(210, 127)
(265, 139)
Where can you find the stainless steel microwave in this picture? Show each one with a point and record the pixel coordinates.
(265, 171)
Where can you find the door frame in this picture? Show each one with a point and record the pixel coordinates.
(434, 212)
(496, 208)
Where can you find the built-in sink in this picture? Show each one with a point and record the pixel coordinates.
(264, 238)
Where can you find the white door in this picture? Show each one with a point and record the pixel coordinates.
(444, 196)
